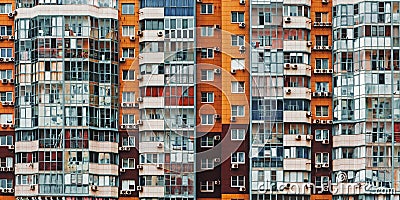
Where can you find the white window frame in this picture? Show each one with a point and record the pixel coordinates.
(240, 158)
(7, 95)
(206, 140)
(127, 7)
(320, 109)
(237, 40)
(129, 78)
(208, 74)
(7, 8)
(322, 63)
(207, 163)
(237, 111)
(209, 97)
(235, 87)
(6, 30)
(5, 53)
(128, 160)
(128, 30)
(127, 184)
(207, 186)
(238, 63)
(126, 52)
(207, 31)
(129, 118)
(321, 181)
(321, 134)
(208, 8)
(238, 179)
(129, 140)
(236, 134)
(237, 13)
(205, 119)
(207, 53)
(319, 158)
(128, 97)
(322, 86)
(320, 39)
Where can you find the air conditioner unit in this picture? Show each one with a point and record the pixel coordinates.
(287, 186)
(330, 70)
(11, 37)
(309, 137)
(198, 1)
(233, 71)
(121, 59)
(140, 33)
(217, 26)
(316, 121)
(11, 80)
(242, 189)
(4, 125)
(1, 38)
(159, 145)
(242, 2)
(234, 166)
(140, 99)
(10, 169)
(288, 91)
(325, 165)
(132, 37)
(10, 15)
(318, 166)
(242, 25)
(217, 116)
(233, 119)
(329, 47)
(11, 103)
(217, 137)
(94, 188)
(139, 166)
(325, 1)
(139, 77)
(294, 66)
(315, 94)
(298, 137)
(4, 80)
(324, 71)
(308, 114)
(326, 94)
(317, 23)
(288, 19)
(140, 122)
(121, 170)
(32, 187)
(139, 188)
(317, 71)
(217, 160)
(242, 48)
(122, 192)
(287, 66)
(11, 147)
(217, 49)
(217, 71)
(160, 33)
(323, 121)
(325, 141)
(3, 169)
(309, 43)
(159, 166)
(217, 182)
(122, 127)
(136, 105)
(126, 148)
(329, 122)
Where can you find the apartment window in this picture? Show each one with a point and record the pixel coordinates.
(128, 163)
(237, 63)
(128, 52)
(207, 97)
(207, 31)
(128, 141)
(321, 17)
(321, 111)
(237, 134)
(206, 9)
(321, 158)
(238, 157)
(207, 163)
(6, 140)
(237, 111)
(128, 119)
(207, 119)
(237, 181)
(6, 162)
(322, 63)
(128, 30)
(321, 40)
(321, 134)
(6, 118)
(6, 74)
(6, 53)
(207, 186)
(128, 9)
(151, 158)
(128, 185)
(128, 75)
(297, 11)
(237, 40)
(381, 78)
(237, 17)
(5, 8)
(6, 183)
(5, 30)
(207, 75)
(128, 97)
(237, 86)
(207, 53)
(6, 96)
(321, 181)
(207, 141)
(264, 17)
(25, 179)
(322, 87)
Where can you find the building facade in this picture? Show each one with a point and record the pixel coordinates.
(199, 99)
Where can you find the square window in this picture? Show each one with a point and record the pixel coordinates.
(237, 111)
(237, 86)
(128, 52)
(322, 111)
(238, 157)
(128, 9)
(128, 30)
(207, 75)
(207, 119)
(206, 9)
(237, 134)
(207, 97)
(237, 17)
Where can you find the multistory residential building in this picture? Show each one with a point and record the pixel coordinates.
(199, 99)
